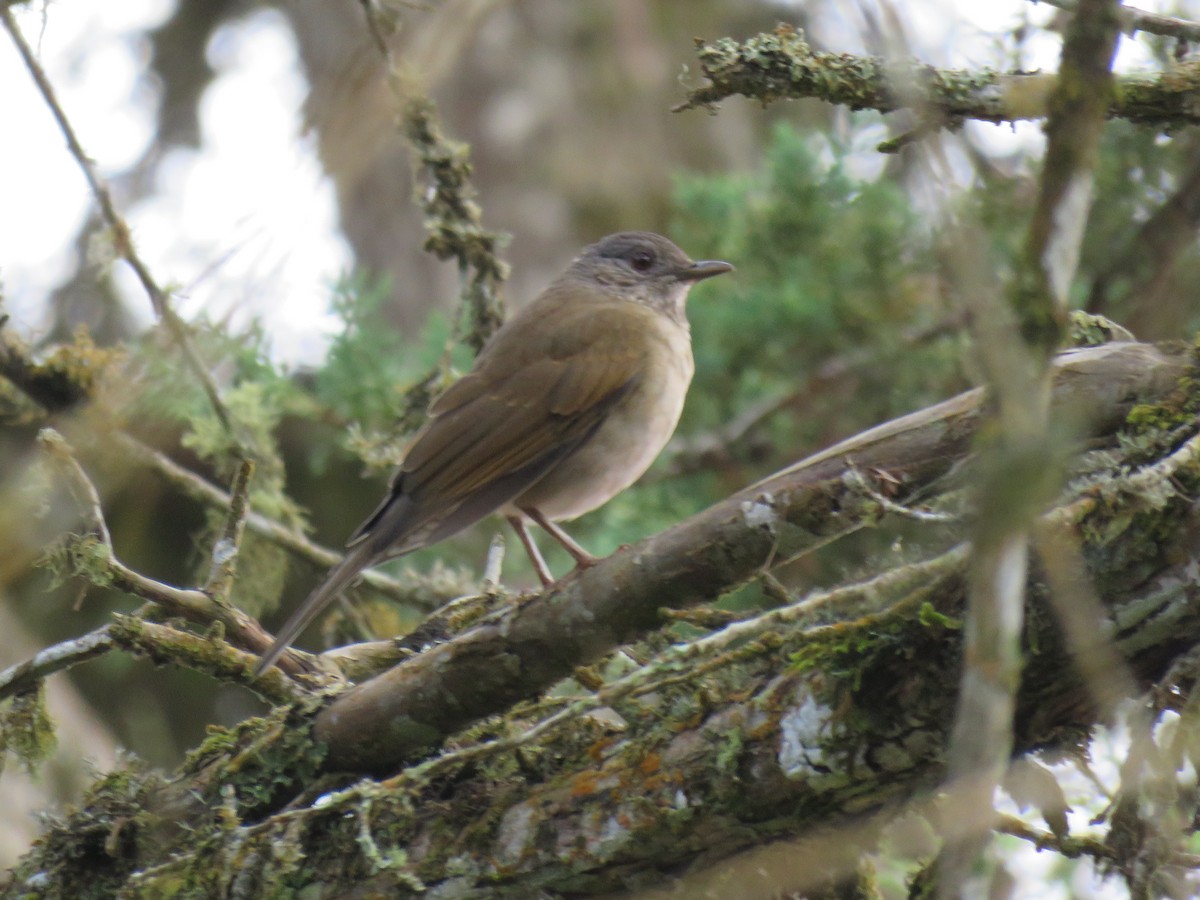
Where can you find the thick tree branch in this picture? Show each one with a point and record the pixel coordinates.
(817, 735)
(524, 649)
(782, 66)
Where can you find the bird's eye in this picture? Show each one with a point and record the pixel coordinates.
(642, 261)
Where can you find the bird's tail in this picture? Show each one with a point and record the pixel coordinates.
(338, 579)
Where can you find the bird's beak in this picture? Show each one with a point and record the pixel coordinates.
(705, 268)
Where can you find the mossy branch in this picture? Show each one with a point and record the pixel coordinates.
(453, 220)
(813, 732)
(95, 559)
(783, 66)
(524, 649)
(1134, 20)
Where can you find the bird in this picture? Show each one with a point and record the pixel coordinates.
(567, 405)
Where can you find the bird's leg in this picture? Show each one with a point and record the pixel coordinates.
(582, 558)
(535, 555)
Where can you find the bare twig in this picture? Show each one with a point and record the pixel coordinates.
(856, 477)
(1018, 471)
(16, 679)
(1075, 847)
(121, 235)
(1134, 20)
(699, 451)
(493, 564)
(424, 592)
(78, 483)
(1148, 258)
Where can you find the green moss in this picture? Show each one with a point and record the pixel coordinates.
(26, 729)
(1146, 417)
(78, 556)
(91, 853)
(81, 365)
(929, 616)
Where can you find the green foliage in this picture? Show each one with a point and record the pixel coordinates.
(75, 556)
(377, 379)
(26, 729)
(827, 264)
(255, 390)
(258, 394)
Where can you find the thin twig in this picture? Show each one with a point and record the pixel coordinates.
(424, 592)
(121, 235)
(701, 450)
(1074, 847)
(193, 605)
(64, 655)
(225, 550)
(79, 484)
(858, 479)
(1134, 20)
(494, 563)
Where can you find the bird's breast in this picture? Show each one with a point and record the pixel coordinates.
(629, 439)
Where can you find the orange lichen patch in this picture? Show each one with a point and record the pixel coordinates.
(763, 729)
(596, 751)
(657, 783)
(585, 784)
(650, 763)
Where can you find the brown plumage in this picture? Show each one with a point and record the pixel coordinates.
(567, 405)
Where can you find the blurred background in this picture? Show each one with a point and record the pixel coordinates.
(254, 149)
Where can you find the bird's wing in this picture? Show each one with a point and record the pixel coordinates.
(496, 432)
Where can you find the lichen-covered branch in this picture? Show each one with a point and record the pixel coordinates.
(202, 653)
(67, 378)
(782, 66)
(25, 675)
(812, 732)
(525, 648)
(94, 558)
(453, 220)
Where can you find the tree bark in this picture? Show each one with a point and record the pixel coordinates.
(814, 723)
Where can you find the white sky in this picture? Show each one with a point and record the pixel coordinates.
(246, 225)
